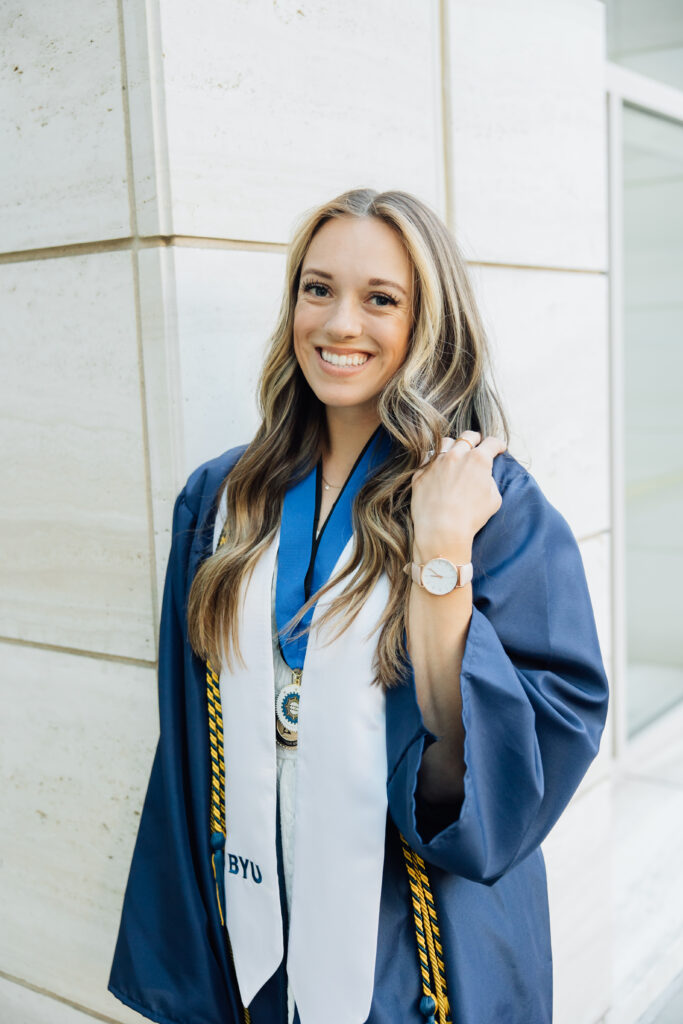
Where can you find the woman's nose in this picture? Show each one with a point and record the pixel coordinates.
(344, 320)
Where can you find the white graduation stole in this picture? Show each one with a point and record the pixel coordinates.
(341, 807)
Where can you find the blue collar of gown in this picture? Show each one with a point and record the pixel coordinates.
(306, 562)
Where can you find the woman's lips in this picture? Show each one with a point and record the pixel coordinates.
(342, 371)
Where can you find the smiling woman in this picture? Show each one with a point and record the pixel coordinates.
(349, 338)
(396, 625)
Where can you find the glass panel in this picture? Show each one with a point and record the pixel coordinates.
(653, 409)
(647, 36)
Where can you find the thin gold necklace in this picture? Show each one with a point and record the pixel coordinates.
(328, 485)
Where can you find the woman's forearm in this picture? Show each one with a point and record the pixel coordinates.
(437, 630)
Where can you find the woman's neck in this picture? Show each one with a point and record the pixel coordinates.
(347, 435)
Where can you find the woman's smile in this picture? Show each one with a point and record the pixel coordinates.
(342, 363)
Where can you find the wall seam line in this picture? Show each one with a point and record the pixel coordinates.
(134, 250)
(47, 994)
(237, 245)
(446, 119)
(79, 652)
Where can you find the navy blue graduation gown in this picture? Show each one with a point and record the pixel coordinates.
(534, 694)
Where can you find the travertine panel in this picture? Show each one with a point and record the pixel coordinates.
(596, 556)
(147, 117)
(63, 172)
(596, 553)
(578, 852)
(528, 128)
(228, 302)
(74, 545)
(549, 339)
(166, 451)
(252, 144)
(79, 736)
(206, 318)
(22, 1005)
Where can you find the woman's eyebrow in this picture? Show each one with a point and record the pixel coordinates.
(372, 281)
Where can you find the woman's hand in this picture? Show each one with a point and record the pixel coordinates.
(454, 496)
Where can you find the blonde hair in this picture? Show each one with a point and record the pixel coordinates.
(443, 387)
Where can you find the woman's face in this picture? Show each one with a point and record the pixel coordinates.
(353, 313)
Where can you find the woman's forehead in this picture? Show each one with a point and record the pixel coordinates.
(353, 249)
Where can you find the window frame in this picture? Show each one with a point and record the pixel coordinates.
(655, 740)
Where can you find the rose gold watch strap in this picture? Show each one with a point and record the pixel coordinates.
(465, 574)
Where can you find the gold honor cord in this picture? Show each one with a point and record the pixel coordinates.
(217, 812)
(434, 1004)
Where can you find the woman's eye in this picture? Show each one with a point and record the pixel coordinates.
(314, 284)
(311, 285)
(380, 295)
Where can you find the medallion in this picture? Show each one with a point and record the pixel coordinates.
(287, 711)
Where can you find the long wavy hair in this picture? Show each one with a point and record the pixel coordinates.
(444, 386)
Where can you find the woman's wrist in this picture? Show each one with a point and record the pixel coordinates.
(459, 552)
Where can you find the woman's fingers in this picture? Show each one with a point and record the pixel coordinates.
(446, 444)
(461, 441)
(467, 441)
(492, 446)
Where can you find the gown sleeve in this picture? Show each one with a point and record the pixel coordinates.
(170, 961)
(534, 697)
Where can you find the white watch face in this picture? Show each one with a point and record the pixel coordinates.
(439, 576)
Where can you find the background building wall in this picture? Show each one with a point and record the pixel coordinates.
(156, 156)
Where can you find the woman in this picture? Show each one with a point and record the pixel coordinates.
(376, 559)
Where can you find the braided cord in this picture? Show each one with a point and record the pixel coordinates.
(216, 745)
(217, 808)
(430, 951)
(429, 948)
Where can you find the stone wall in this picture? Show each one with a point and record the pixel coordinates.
(155, 157)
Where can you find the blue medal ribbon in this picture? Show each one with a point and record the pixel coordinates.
(305, 562)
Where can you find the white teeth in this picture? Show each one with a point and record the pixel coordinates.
(355, 360)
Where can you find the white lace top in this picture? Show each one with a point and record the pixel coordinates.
(286, 778)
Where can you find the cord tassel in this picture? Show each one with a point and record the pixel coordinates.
(218, 863)
(427, 1009)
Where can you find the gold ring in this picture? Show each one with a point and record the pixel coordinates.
(465, 440)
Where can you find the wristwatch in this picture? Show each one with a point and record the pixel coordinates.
(439, 575)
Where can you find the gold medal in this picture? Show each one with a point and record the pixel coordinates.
(287, 711)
